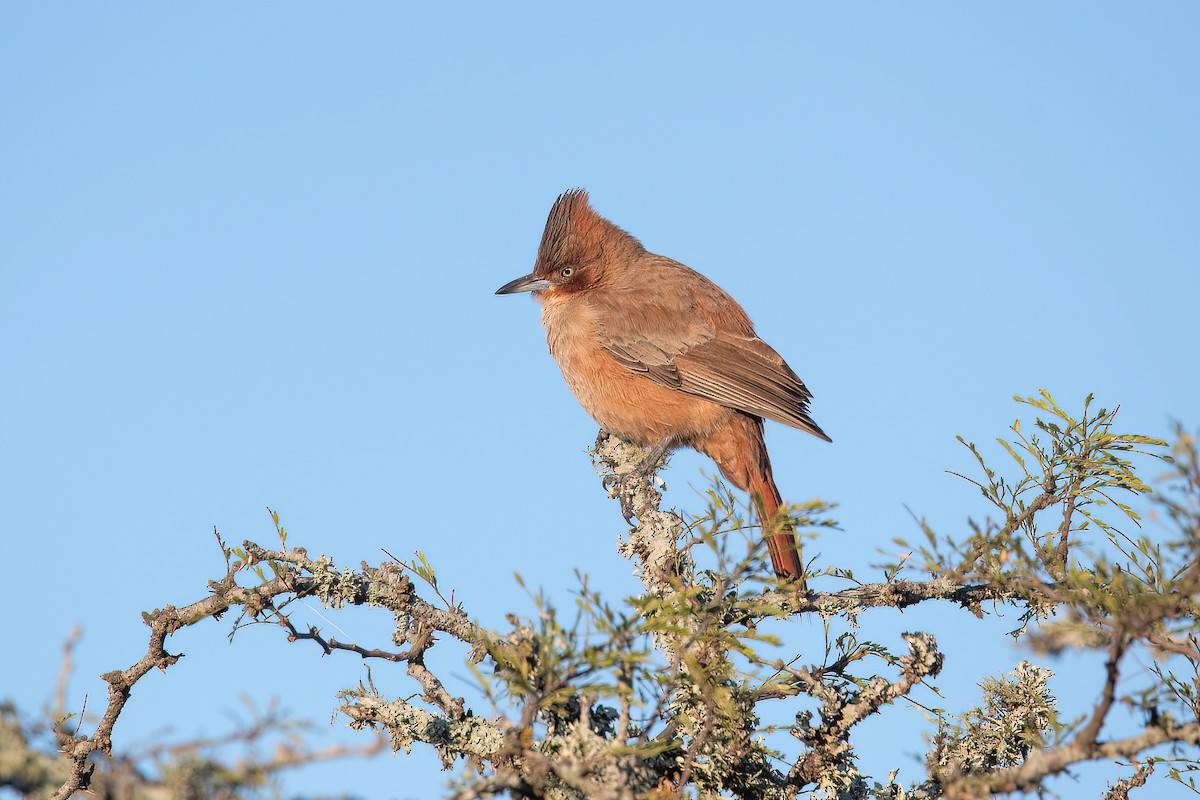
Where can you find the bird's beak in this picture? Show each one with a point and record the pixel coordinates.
(525, 283)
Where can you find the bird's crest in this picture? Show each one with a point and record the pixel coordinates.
(571, 222)
(575, 232)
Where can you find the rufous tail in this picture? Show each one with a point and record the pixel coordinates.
(781, 539)
(740, 453)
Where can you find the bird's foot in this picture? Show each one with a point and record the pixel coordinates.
(654, 458)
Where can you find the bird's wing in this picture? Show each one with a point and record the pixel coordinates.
(745, 373)
(652, 355)
(736, 371)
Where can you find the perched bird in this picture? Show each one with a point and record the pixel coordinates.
(661, 356)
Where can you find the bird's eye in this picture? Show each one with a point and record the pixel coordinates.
(566, 272)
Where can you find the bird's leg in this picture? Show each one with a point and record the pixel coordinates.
(653, 456)
(645, 467)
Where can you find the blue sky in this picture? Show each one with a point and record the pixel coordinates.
(247, 256)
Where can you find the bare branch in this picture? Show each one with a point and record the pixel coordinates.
(1091, 731)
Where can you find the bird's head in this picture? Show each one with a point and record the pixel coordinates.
(579, 250)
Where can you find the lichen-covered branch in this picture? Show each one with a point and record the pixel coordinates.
(295, 576)
(1121, 789)
(177, 769)
(660, 695)
(1038, 766)
(473, 737)
(829, 761)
